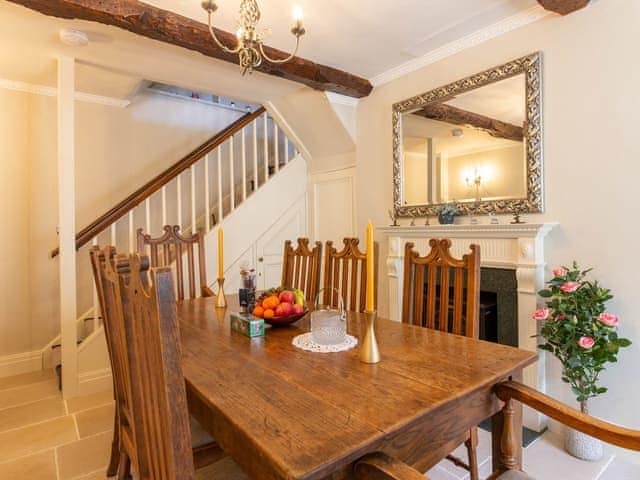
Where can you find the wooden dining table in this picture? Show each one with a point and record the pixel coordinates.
(287, 414)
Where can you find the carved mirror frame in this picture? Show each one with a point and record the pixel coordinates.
(531, 66)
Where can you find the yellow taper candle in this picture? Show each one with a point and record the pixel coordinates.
(220, 253)
(370, 269)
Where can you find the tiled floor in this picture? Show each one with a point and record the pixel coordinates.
(45, 437)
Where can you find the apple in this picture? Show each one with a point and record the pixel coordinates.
(298, 309)
(287, 296)
(284, 309)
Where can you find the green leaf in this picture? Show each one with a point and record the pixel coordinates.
(623, 342)
(545, 293)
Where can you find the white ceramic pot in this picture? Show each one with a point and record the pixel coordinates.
(582, 446)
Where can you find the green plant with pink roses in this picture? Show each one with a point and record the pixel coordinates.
(578, 330)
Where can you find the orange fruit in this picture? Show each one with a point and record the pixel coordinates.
(258, 311)
(271, 302)
(268, 313)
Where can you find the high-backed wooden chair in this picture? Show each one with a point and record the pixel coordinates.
(379, 466)
(346, 271)
(172, 246)
(442, 292)
(301, 267)
(108, 277)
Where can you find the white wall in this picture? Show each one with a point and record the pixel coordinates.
(591, 149)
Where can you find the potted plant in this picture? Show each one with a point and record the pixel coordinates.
(447, 212)
(579, 331)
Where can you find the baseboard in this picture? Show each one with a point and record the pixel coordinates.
(20, 363)
(94, 381)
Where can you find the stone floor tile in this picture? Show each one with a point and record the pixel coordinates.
(84, 456)
(86, 402)
(29, 413)
(95, 420)
(12, 397)
(34, 438)
(40, 466)
(27, 379)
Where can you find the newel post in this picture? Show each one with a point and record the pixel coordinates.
(67, 224)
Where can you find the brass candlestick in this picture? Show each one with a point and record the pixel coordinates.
(369, 352)
(221, 301)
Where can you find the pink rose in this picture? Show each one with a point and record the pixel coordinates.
(562, 316)
(559, 272)
(608, 319)
(541, 314)
(569, 287)
(586, 342)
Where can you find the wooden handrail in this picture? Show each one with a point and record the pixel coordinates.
(85, 235)
(607, 432)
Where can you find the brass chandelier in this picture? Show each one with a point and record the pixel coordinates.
(249, 47)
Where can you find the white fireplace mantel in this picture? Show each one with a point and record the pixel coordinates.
(519, 247)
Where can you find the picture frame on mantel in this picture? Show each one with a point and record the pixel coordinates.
(530, 67)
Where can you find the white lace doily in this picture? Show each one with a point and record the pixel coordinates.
(305, 342)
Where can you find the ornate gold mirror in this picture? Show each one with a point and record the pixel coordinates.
(476, 142)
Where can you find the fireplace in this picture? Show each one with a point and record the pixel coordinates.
(512, 262)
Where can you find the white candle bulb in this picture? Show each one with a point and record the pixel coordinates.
(297, 13)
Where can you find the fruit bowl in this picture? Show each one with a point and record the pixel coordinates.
(283, 321)
(281, 306)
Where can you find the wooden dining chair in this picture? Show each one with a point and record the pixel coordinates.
(442, 292)
(346, 272)
(171, 246)
(301, 267)
(380, 466)
(108, 277)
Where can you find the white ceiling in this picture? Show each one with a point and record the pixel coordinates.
(364, 37)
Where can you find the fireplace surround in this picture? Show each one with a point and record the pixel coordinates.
(503, 248)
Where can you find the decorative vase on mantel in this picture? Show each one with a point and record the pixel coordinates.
(445, 219)
(581, 445)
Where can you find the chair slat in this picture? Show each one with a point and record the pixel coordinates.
(418, 309)
(341, 272)
(457, 300)
(301, 267)
(174, 247)
(444, 299)
(430, 320)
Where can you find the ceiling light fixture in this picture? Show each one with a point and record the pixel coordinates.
(249, 46)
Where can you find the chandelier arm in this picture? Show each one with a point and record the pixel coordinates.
(220, 44)
(284, 60)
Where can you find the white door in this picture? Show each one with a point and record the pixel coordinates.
(270, 246)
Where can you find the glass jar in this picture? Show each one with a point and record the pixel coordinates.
(328, 324)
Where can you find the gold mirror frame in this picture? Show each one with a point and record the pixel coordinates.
(530, 65)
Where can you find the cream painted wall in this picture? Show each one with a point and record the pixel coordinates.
(15, 328)
(591, 148)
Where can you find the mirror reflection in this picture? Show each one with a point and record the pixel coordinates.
(468, 148)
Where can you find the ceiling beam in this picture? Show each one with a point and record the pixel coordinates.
(563, 7)
(457, 116)
(169, 27)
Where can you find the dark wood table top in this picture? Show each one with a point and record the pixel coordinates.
(292, 414)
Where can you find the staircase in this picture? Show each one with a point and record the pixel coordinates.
(249, 179)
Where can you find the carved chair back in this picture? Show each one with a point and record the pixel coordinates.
(440, 291)
(156, 381)
(346, 272)
(108, 282)
(301, 267)
(171, 247)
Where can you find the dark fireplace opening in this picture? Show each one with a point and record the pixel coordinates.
(498, 305)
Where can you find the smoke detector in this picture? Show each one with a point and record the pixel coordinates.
(457, 132)
(73, 38)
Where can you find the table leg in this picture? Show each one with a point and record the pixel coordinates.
(506, 433)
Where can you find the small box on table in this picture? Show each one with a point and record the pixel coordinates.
(247, 324)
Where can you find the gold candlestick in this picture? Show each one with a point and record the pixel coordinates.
(221, 301)
(369, 352)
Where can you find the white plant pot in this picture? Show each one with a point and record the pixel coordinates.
(582, 446)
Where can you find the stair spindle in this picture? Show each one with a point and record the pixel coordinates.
(193, 199)
(207, 200)
(147, 214)
(179, 199)
(255, 155)
(232, 196)
(164, 206)
(276, 152)
(132, 234)
(266, 147)
(219, 184)
(113, 234)
(244, 165)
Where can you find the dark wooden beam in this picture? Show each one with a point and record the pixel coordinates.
(169, 27)
(563, 7)
(457, 116)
